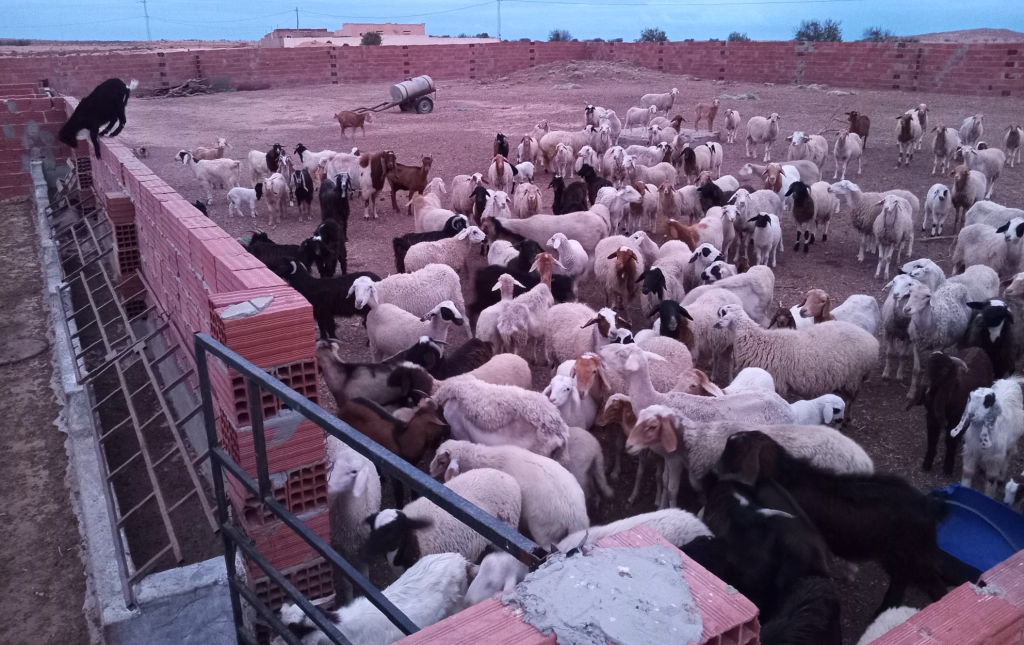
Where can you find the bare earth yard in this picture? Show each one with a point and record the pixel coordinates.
(459, 134)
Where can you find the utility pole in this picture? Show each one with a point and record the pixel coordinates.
(296, 17)
(145, 10)
(499, 19)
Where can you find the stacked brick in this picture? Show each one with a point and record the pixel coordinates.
(29, 121)
(195, 271)
(975, 69)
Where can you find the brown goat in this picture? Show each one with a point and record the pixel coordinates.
(216, 152)
(817, 305)
(544, 264)
(626, 278)
(696, 382)
(689, 235)
(706, 111)
(860, 124)
(773, 177)
(347, 119)
(401, 177)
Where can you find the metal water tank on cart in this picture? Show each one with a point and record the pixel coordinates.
(412, 95)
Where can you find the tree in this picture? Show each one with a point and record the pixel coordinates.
(371, 38)
(737, 37)
(878, 35)
(482, 34)
(813, 30)
(559, 36)
(653, 35)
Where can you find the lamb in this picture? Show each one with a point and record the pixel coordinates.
(503, 415)
(749, 205)
(937, 320)
(200, 153)
(427, 593)
(848, 147)
(640, 116)
(908, 131)
(893, 230)
(462, 192)
(412, 179)
(861, 516)
(577, 411)
(763, 130)
(523, 173)
(972, 129)
(937, 206)
(402, 244)
(865, 207)
(563, 161)
(585, 157)
(586, 464)
(238, 196)
(451, 251)
(220, 173)
(499, 572)
(572, 258)
(997, 248)
(732, 123)
(780, 178)
(858, 310)
(826, 410)
(994, 423)
(526, 201)
(553, 502)
(421, 528)
(586, 227)
(886, 621)
(391, 329)
(833, 357)
(618, 202)
(706, 111)
(988, 162)
(944, 146)
(1012, 143)
(676, 526)
(755, 289)
(663, 102)
(811, 147)
(100, 109)
(895, 324)
(573, 329)
(968, 188)
(549, 143)
(418, 292)
(767, 238)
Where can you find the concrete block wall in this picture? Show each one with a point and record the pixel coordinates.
(29, 122)
(195, 271)
(976, 69)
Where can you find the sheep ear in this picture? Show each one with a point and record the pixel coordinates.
(632, 364)
(669, 440)
(651, 356)
(534, 267)
(685, 313)
(978, 306)
(452, 471)
(463, 234)
(362, 482)
(613, 254)
(1002, 229)
(826, 414)
(518, 283)
(496, 287)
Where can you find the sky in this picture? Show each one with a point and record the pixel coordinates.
(534, 19)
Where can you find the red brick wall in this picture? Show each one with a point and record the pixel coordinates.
(987, 70)
(28, 130)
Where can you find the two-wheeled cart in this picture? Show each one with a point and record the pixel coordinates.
(412, 95)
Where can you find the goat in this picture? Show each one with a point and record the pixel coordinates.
(860, 124)
(501, 145)
(329, 296)
(303, 183)
(101, 109)
(334, 201)
(409, 178)
(326, 247)
(347, 119)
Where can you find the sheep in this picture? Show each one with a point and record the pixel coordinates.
(997, 248)
(833, 357)
(586, 156)
(617, 264)
(848, 147)
(549, 143)
(497, 205)
(937, 206)
(694, 161)
(664, 279)
(238, 196)
(572, 258)
(427, 593)
(503, 415)
(553, 502)
(861, 516)
(732, 123)
(762, 130)
(614, 165)
(749, 205)
(656, 174)
(811, 147)
(469, 356)
(330, 297)
(211, 173)
(499, 572)
(706, 111)
(264, 164)
(200, 153)
(858, 310)
(402, 244)
(568, 199)
(462, 192)
(937, 320)
(523, 173)
(767, 238)
(568, 333)
(755, 289)
(991, 329)
(452, 251)
(865, 207)
(353, 494)
(413, 381)
(645, 209)
(860, 124)
(417, 293)
(908, 131)
(563, 161)
(981, 281)
(944, 389)
(391, 329)
(586, 464)
(371, 173)
(799, 169)
(325, 247)
(663, 102)
(100, 109)
(1012, 143)
(577, 411)
(427, 216)
(421, 528)
(991, 213)
(972, 129)
(994, 422)
(412, 179)
(526, 201)
(601, 140)
(586, 227)
(500, 175)
(944, 146)
(988, 162)
(717, 271)
(885, 622)
(275, 189)
(895, 324)
(311, 161)
(825, 410)
(640, 116)
(501, 252)
(617, 201)
(500, 146)
(676, 526)
(968, 188)
(893, 230)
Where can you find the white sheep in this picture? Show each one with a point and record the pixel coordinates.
(239, 195)
(427, 593)
(462, 192)
(865, 207)
(1012, 143)
(656, 174)
(499, 572)
(749, 205)
(524, 317)
(988, 162)
(497, 205)
(763, 130)
(648, 155)
(644, 212)
(450, 251)
(526, 201)
(529, 149)
(586, 156)
(618, 262)
(823, 359)
(390, 329)
(895, 324)
(712, 345)
(994, 423)
(640, 116)
(812, 147)
(996, 248)
(573, 329)
(427, 215)
(893, 231)
(578, 411)
(677, 526)
(500, 175)
(991, 213)
(937, 206)
(417, 292)
(908, 133)
(848, 147)
(732, 124)
(553, 502)
(212, 173)
(572, 259)
(663, 102)
(652, 252)
(937, 320)
(767, 238)
(275, 190)
(501, 253)
(751, 378)
(755, 289)
(503, 415)
(524, 173)
(563, 161)
(611, 121)
(575, 140)
(353, 494)
(487, 321)
(886, 621)
(967, 190)
(586, 227)
(972, 129)
(600, 140)
(981, 281)
(586, 463)
(617, 201)
(826, 410)
(200, 153)
(717, 271)
(944, 147)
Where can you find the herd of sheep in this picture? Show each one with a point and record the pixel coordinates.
(747, 401)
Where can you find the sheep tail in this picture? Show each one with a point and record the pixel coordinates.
(133, 84)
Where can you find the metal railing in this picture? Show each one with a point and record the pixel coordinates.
(258, 381)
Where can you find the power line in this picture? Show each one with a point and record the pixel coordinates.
(415, 15)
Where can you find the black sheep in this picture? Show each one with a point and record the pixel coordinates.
(568, 199)
(803, 212)
(103, 108)
(992, 330)
(593, 181)
(673, 319)
(712, 195)
(809, 613)
(326, 249)
(479, 203)
(486, 277)
(469, 356)
(334, 201)
(403, 243)
(862, 517)
(329, 296)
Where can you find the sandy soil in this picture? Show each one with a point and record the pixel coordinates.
(459, 134)
(43, 581)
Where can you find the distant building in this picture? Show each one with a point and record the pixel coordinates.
(387, 29)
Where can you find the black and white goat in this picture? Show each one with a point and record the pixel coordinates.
(325, 248)
(329, 296)
(302, 183)
(103, 108)
(334, 201)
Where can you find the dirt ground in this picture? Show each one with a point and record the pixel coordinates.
(459, 135)
(39, 540)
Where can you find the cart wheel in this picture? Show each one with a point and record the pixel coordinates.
(424, 106)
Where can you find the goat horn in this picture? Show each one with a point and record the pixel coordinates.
(438, 342)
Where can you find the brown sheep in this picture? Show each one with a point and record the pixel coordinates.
(347, 119)
(860, 124)
(706, 111)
